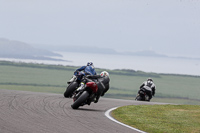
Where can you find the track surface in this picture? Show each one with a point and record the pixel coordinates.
(32, 112)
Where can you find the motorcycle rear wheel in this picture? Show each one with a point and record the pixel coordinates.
(83, 97)
(70, 89)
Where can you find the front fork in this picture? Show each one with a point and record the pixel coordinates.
(76, 95)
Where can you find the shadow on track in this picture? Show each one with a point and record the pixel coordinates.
(85, 109)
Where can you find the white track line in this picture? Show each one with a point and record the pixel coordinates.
(107, 114)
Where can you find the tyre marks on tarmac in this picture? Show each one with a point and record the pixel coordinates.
(33, 112)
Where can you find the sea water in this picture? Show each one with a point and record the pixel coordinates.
(142, 63)
(115, 61)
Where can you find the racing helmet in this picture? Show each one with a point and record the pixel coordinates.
(89, 64)
(104, 74)
(149, 81)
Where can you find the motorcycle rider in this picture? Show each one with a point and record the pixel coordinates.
(150, 84)
(88, 70)
(102, 82)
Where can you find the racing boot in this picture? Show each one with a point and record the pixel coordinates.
(72, 79)
(81, 87)
(96, 99)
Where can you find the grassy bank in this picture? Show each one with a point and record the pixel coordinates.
(124, 84)
(161, 118)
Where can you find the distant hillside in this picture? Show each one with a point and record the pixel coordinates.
(80, 49)
(145, 53)
(21, 50)
(98, 50)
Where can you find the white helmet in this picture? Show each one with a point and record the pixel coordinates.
(104, 73)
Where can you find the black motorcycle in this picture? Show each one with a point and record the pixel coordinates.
(86, 95)
(73, 84)
(144, 94)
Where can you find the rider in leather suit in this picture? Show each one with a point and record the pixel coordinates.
(102, 82)
(149, 83)
(88, 70)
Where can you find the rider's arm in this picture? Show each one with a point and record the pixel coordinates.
(153, 90)
(93, 76)
(141, 85)
(80, 69)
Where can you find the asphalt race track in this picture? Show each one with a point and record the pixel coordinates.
(33, 112)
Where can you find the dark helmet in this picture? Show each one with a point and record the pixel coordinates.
(89, 64)
(150, 79)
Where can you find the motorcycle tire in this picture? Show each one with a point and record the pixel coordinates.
(138, 98)
(147, 98)
(70, 89)
(83, 97)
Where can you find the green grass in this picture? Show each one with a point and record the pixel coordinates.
(28, 75)
(161, 118)
(124, 84)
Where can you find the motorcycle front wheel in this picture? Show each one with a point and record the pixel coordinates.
(138, 98)
(70, 89)
(147, 98)
(83, 97)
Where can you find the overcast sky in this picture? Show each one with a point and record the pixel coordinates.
(165, 26)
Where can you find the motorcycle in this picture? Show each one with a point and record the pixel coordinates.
(144, 94)
(86, 95)
(73, 84)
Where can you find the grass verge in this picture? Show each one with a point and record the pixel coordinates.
(124, 84)
(160, 118)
